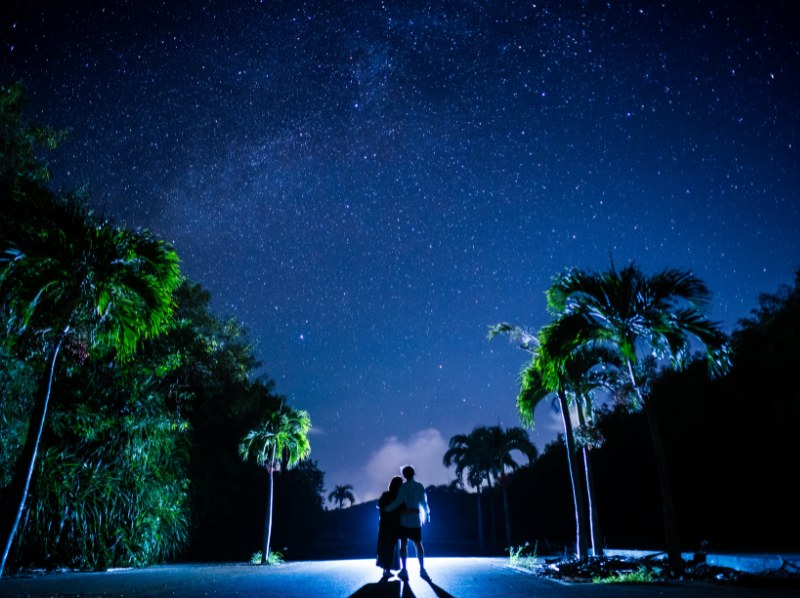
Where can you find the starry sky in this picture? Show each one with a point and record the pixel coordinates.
(367, 186)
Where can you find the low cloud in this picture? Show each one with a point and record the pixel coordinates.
(424, 450)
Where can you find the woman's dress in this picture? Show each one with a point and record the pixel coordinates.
(388, 534)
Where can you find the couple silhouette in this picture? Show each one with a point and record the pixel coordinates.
(403, 511)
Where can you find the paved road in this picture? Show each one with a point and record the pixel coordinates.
(452, 578)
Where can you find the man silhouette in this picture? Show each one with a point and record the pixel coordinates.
(414, 501)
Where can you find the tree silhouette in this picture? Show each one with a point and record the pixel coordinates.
(499, 444)
(467, 453)
(340, 494)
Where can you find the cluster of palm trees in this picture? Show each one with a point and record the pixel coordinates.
(610, 333)
(484, 457)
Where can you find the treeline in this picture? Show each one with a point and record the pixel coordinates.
(124, 398)
(730, 442)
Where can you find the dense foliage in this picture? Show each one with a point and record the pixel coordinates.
(119, 384)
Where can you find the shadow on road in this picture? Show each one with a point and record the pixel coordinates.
(395, 589)
(380, 589)
(440, 593)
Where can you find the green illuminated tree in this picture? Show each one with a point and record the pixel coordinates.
(280, 441)
(580, 374)
(68, 278)
(111, 479)
(79, 282)
(534, 388)
(660, 316)
(340, 494)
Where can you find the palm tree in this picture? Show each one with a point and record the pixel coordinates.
(639, 316)
(466, 452)
(65, 276)
(585, 371)
(536, 386)
(281, 440)
(533, 390)
(500, 444)
(341, 494)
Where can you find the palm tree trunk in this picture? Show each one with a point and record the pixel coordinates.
(268, 520)
(492, 515)
(505, 512)
(671, 535)
(594, 517)
(20, 485)
(578, 497)
(480, 521)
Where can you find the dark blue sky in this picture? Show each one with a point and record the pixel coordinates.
(368, 188)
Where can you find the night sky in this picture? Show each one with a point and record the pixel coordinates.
(367, 188)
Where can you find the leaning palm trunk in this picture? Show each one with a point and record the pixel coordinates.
(20, 485)
(671, 535)
(578, 497)
(268, 520)
(594, 518)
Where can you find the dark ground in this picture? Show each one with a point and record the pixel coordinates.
(461, 577)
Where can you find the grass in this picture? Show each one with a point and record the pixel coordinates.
(641, 575)
(523, 556)
(275, 558)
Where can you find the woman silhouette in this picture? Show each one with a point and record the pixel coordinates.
(389, 530)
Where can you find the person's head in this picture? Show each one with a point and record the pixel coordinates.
(395, 483)
(408, 472)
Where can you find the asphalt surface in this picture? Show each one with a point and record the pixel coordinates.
(451, 578)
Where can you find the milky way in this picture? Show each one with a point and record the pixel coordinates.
(368, 188)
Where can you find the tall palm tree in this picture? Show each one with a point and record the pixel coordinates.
(67, 276)
(500, 444)
(466, 452)
(663, 316)
(583, 373)
(535, 386)
(281, 440)
(340, 494)
(533, 389)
